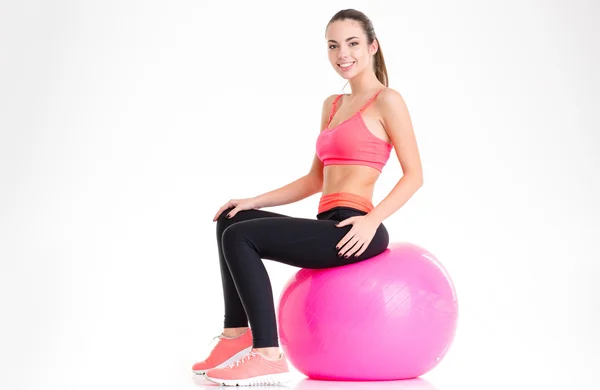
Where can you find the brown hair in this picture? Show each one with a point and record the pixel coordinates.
(367, 26)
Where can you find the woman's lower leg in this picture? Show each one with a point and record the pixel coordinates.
(236, 320)
(252, 281)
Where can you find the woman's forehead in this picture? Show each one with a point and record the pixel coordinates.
(342, 30)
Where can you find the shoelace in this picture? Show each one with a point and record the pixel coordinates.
(211, 341)
(249, 356)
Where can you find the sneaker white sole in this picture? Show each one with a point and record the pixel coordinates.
(273, 379)
(232, 359)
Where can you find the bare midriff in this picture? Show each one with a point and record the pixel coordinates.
(348, 186)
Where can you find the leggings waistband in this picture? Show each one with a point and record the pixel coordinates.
(346, 199)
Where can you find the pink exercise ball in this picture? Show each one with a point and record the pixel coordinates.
(389, 317)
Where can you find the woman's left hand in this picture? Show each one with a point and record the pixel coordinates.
(356, 241)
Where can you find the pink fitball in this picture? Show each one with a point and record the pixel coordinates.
(389, 317)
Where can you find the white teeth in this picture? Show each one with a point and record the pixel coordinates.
(346, 65)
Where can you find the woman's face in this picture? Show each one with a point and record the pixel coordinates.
(347, 47)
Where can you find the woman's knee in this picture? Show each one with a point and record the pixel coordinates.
(232, 237)
(223, 222)
(223, 215)
(228, 235)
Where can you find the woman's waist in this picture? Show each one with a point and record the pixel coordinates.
(354, 200)
(348, 184)
(349, 178)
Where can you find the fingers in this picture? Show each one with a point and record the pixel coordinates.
(345, 239)
(223, 208)
(352, 245)
(345, 222)
(346, 242)
(350, 248)
(233, 212)
(362, 249)
(355, 248)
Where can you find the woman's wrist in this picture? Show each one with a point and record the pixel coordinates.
(256, 201)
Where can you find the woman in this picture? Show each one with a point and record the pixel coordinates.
(358, 132)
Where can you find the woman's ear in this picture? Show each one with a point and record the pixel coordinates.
(374, 47)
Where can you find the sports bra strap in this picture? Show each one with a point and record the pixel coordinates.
(333, 108)
(371, 100)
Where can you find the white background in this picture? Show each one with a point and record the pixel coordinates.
(125, 125)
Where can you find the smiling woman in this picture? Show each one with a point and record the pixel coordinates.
(367, 35)
(357, 134)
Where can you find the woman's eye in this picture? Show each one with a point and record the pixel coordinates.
(351, 43)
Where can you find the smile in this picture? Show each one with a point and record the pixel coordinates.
(346, 66)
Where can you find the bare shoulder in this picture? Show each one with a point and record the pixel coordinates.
(328, 103)
(391, 103)
(326, 110)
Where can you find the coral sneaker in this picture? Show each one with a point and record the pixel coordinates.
(252, 369)
(226, 351)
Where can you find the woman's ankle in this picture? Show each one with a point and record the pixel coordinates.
(234, 332)
(271, 353)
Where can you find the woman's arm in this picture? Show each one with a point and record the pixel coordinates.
(400, 130)
(307, 185)
(293, 192)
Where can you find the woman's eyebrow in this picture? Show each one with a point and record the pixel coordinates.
(347, 39)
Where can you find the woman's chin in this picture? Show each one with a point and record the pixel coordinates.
(345, 75)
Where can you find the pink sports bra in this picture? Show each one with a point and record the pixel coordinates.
(351, 142)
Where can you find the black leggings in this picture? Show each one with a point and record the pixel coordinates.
(252, 235)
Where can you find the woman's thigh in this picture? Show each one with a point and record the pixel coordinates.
(300, 242)
(244, 215)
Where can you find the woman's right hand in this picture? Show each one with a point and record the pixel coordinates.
(239, 205)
